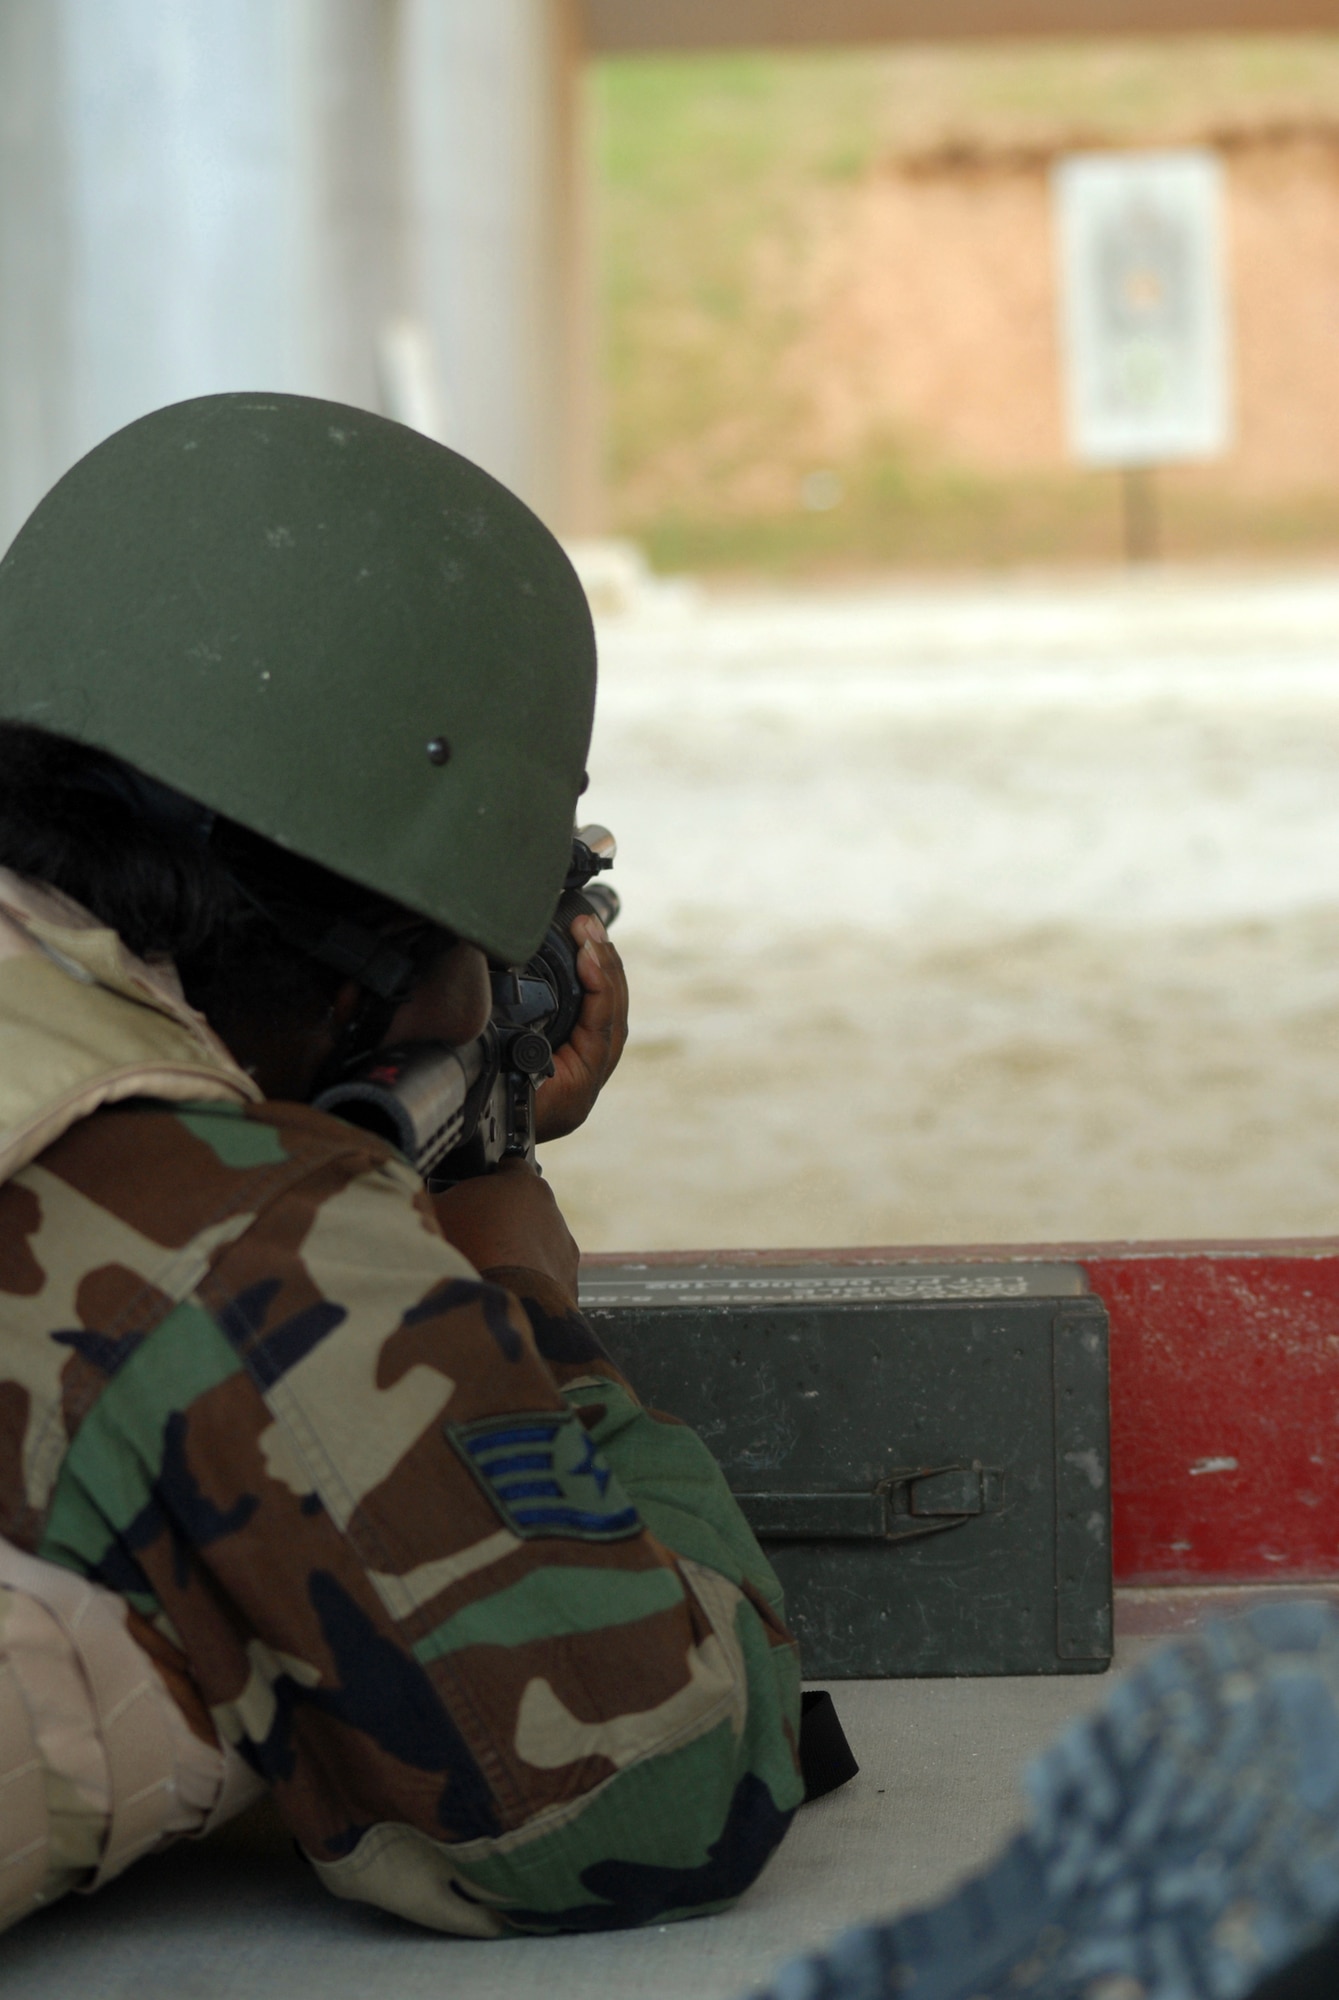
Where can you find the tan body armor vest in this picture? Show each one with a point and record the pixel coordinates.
(97, 1761)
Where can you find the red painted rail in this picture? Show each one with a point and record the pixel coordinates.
(1224, 1396)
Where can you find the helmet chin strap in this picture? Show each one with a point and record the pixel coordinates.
(383, 971)
(377, 964)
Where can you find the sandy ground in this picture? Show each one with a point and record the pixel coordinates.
(982, 913)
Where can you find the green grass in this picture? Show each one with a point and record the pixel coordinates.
(713, 173)
(932, 518)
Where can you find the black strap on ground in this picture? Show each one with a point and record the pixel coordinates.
(825, 1755)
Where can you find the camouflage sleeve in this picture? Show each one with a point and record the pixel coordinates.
(496, 1636)
(679, 1489)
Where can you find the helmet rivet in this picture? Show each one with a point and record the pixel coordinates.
(585, 782)
(439, 750)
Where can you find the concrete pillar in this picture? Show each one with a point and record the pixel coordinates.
(495, 182)
(376, 200)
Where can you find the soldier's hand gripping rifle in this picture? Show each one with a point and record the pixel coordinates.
(456, 1112)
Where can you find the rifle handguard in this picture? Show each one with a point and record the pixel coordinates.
(416, 1096)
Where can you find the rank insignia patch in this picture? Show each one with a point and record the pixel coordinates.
(544, 1476)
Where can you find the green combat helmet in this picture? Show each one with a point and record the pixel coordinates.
(329, 629)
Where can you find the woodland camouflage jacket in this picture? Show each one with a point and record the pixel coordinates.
(497, 1637)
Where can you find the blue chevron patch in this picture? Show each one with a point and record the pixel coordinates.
(544, 1476)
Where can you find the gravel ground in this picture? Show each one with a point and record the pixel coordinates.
(996, 912)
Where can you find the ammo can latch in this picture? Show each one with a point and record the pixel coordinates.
(898, 1508)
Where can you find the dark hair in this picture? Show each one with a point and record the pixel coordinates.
(170, 880)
